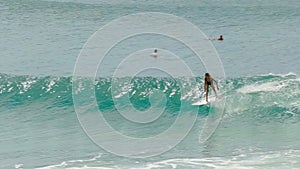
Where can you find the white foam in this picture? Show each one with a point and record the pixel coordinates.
(281, 75)
(26, 85)
(124, 90)
(49, 87)
(265, 87)
(256, 160)
(193, 94)
(173, 92)
(284, 159)
(18, 166)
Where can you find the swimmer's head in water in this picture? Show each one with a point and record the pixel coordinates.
(155, 50)
(221, 37)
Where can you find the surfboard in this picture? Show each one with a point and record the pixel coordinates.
(204, 102)
(200, 103)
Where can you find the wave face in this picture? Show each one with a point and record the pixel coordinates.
(266, 95)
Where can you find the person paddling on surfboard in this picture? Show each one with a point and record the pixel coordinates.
(219, 38)
(208, 81)
(154, 54)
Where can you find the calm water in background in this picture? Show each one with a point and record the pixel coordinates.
(45, 38)
(39, 44)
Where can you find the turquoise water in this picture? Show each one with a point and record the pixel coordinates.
(39, 124)
(41, 40)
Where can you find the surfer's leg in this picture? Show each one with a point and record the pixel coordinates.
(206, 92)
(213, 87)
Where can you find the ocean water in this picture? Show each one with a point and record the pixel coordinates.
(40, 42)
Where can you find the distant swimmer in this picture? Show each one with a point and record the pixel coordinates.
(154, 54)
(219, 38)
(208, 81)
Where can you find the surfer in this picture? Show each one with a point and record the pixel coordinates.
(219, 38)
(208, 81)
(154, 54)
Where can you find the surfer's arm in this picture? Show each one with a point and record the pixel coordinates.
(216, 83)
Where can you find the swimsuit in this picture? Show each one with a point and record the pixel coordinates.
(208, 83)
